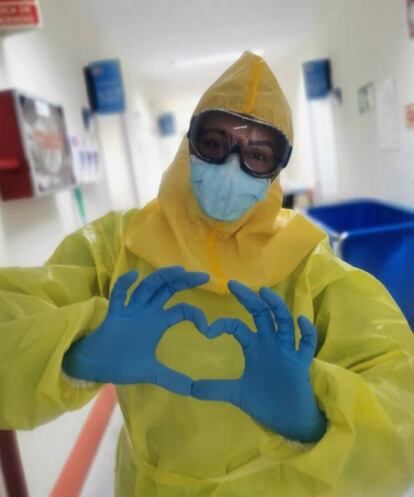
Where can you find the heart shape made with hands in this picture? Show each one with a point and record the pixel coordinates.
(275, 380)
(273, 343)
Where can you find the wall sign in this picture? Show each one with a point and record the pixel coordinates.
(410, 16)
(317, 74)
(85, 151)
(387, 115)
(19, 14)
(105, 87)
(366, 98)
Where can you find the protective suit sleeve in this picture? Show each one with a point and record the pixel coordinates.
(42, 311)
(363, 379)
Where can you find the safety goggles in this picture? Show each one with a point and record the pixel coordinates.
(216, 134)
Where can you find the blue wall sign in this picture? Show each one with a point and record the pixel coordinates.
(317, 75)
(105, 87)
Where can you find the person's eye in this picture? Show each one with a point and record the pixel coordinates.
(259, 155)
(213, 144)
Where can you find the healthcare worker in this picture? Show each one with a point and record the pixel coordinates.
(249, 360)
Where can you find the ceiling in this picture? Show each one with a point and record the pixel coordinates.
(149, 36)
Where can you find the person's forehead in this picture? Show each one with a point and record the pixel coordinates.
(228, 122)
(221, 119)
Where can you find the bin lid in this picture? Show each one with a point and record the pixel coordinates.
(359, 214)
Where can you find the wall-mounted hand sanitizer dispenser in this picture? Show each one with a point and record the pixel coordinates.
(318, 79)
(35, 156)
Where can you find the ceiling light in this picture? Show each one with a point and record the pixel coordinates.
(210, 59)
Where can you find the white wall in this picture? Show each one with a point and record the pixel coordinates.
(145, 150)
(366, 41)
(182, 106)
(151, 153)
(117, 161)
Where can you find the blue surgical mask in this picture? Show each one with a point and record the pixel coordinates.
(224, 191)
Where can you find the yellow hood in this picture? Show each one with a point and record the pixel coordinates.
(261, 248)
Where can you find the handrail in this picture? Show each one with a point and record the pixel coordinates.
(79, 462)
(11, 465)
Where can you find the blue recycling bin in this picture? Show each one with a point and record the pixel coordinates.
(377, 237)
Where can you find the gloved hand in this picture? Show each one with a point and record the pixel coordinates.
(122, 349)
(275, 388)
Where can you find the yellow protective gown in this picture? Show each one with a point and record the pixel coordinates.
(173, 446)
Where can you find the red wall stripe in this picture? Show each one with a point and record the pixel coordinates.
(76, 468)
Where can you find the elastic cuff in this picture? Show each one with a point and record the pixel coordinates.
(77, 382)
(298, 445)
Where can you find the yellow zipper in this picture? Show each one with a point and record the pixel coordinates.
(216, 269)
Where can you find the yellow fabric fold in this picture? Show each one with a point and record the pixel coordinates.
(173, 446)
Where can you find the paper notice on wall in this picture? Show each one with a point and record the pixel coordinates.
(410, 17)
(387, 116)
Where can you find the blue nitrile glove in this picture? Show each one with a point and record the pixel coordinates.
(122, 349)
(275, 388)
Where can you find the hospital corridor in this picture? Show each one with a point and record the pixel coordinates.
(207, 248)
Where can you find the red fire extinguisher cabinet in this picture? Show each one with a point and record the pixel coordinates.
(35, 156)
